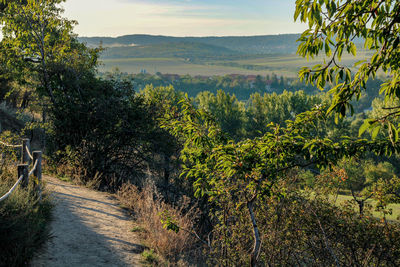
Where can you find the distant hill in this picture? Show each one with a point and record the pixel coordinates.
(255, 55)
(250, 45)
(184, 50)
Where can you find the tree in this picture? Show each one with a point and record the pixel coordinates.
(227, 110)
(42, 54)
(238, 177)
(364, 179)
(38, 43)
(334, 28)
(163, 100)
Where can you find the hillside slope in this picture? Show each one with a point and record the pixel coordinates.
(265, 44)
(167, 50)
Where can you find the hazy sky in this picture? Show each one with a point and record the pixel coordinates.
(182, 17)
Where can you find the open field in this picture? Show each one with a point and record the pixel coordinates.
(174, 66)
(289, 65)
(395, 216)
(285, 65)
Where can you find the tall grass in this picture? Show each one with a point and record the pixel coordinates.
(148, 207)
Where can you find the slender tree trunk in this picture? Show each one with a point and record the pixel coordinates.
(361, 207)
(166, 170)
(44, 118)
(257, 241)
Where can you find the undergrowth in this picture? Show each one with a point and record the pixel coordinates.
(172, 248)
(24, 222)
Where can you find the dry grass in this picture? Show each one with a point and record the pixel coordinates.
(147, 205)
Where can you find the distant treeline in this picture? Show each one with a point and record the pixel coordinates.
(242, 86)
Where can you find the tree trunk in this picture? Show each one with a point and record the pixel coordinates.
(166, 170)
(361, 207)
(44, 119)
(257, 241)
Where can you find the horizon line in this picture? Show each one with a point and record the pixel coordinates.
(189, 36)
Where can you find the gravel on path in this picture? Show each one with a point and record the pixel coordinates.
(89, 229)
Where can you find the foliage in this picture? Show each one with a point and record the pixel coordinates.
(243, 173)
(106, 133)
(98, 128)
(363, 179)
(227, 110)
(333, 27)
(24, 221)
(264, 109)
(150, 257)
(299, 231)
(38, 46)
(240, 85)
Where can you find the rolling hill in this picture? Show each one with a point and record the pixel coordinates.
(251, 45)
(252, 55)
(183, 50)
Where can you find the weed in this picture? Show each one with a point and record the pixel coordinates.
(138, 229)
(150, 257)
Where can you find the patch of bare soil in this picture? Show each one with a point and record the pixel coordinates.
(89, 229)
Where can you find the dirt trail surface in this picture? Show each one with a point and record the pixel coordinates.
(89, 229)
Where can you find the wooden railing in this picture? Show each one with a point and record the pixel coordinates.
(27, 158)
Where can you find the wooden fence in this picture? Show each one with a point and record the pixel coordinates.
(27, 158)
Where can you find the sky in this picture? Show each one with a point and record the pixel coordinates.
(182, 17)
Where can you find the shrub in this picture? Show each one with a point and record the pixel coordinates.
(297, 231)
(107, 134)
(24, 222)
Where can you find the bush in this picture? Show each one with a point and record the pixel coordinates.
(24, 222)
(297, 231)
(107, 134)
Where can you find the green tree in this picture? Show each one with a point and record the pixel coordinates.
(39, 45)
(277, 108)
(228, 111)
(238, 177)
(163, 100)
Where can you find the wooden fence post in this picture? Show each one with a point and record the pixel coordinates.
(24, 151)
(37, 157)
(23, 170)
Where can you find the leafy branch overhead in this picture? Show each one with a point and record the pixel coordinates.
(215, 161)
(334, 28)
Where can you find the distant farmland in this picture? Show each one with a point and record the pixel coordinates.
(251, 55)
(285, 65)
(180, 66)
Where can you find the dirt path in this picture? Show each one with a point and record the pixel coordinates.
(89, 229)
